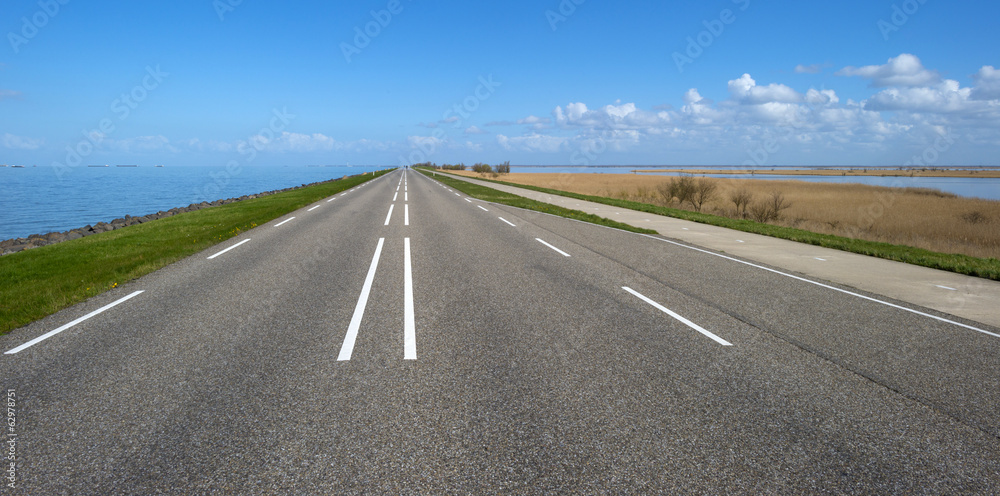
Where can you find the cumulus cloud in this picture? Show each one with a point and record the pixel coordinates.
(987, 84)
(618, 116)
(821, 97)
(905, 70)
(745, 90)
(8, 140)
(947, 97)
(474, 130)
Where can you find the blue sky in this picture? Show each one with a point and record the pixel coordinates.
(578, 82)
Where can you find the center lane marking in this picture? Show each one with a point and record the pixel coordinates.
(314, 208)
(406, 214)
(359, 310)
(387, 217)
(409, 321)
(686, 322)
(553, 247)
(482, 208)
(284, 222)
(507, 221)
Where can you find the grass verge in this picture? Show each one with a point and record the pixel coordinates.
(495, 196)
(42, 281)
(987, 268)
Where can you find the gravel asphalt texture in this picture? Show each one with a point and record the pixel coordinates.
(536, 373)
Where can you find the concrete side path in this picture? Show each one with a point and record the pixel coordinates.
(967, 297)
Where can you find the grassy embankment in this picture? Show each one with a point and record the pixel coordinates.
(877, 208)
(495, 196)
(39, 282)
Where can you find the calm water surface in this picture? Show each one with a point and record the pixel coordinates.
(36, 200)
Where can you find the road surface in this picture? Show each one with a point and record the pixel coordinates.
(403, 338)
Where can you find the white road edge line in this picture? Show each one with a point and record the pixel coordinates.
(231, 248)
(778, 272)
(286, 221)
(359, 310)
(553, 247)
(673, 314)
(387, 217)
(49, 334)
(827, 286)
(409, 322)
(507, 221)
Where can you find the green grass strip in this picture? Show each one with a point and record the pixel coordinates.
(44, 280)
(987, 268)
(491, 195)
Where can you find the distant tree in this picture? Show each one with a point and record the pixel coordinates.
(482, 169)
(741, 198)
(503, 168)
(704, 192)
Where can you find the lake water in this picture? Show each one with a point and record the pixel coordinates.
(37, 200)
(988, 188)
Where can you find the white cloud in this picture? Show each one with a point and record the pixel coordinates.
(904, 70)
(534, 120)
(821, 97)
(808, 69)
(531, 143)
(474, 130)
(947, 97)
(745, 90)
(8, 140)
(987, 84)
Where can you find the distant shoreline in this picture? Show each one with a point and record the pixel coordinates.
(909, 172)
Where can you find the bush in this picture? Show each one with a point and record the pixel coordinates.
(482, 169)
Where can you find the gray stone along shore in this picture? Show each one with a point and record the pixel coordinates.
(36, 240)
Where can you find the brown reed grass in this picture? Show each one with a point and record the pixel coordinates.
(918, 217)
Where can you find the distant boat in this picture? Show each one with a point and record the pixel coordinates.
(17, 167)
(3, 165)
(126, 166)
(157, 166)
(105, 165)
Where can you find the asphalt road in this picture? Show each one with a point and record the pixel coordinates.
(450, 346)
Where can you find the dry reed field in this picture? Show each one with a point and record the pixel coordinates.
(921, 218)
